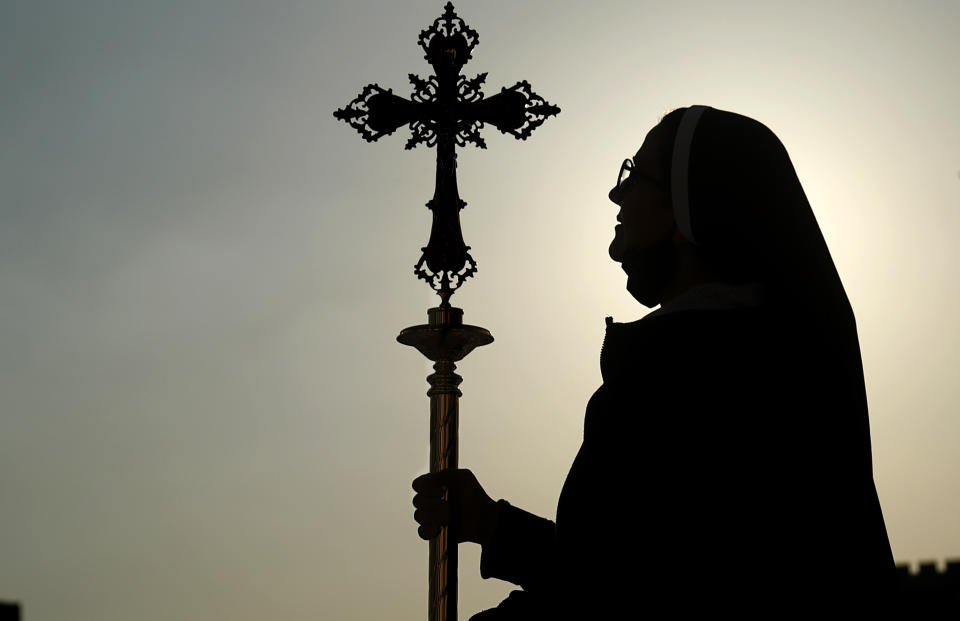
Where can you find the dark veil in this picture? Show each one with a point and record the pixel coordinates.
(742, 205)
(751, 220)
(749, 214)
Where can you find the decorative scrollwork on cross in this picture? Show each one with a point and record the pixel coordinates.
(443, 34)
(535, 111)
(422, 133)
(361, 113)
(447, 281)
(446, 110)
(424, 91)
(469, 90)
(471, 133)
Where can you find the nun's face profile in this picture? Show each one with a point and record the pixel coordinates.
(643, 239)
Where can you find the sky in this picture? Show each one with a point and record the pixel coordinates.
(204, 413)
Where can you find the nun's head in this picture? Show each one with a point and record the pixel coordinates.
(713, 196)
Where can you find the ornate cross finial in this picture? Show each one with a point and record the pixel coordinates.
(446, 110)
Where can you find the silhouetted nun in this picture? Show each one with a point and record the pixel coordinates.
(725, 463)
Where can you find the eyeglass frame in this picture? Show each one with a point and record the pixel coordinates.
(627, 170)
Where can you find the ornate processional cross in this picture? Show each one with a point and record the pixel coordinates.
(446, 110)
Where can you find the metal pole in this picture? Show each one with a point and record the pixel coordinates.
(444, 340)
(444, 422)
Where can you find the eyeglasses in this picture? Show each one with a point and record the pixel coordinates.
(628, 169)
(625, 169)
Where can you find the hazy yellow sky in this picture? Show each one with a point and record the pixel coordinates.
(203, 411)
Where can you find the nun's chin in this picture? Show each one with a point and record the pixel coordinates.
(616, 250)
(642, 294)
(649, 270)
(645, 286)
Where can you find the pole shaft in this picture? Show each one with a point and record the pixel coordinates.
(444, 435)
(444, 340)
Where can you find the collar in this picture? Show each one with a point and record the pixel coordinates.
(713, 296)
(622, 341)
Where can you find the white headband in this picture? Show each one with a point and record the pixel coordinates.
(680, 170)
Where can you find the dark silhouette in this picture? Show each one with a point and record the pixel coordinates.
(9, 611)
(725, 463)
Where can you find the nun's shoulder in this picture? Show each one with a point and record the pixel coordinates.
(663, 344)
(707, 327)
(712, 335)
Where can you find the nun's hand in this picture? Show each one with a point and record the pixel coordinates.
(471, 510)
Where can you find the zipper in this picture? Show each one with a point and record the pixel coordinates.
(603, 345)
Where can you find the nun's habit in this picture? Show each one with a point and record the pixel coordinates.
(725, 463)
